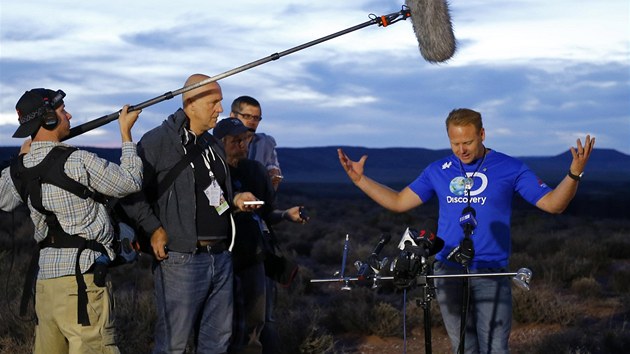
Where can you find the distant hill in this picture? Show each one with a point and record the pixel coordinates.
(396, 166)
(604, 165)
(387, 165)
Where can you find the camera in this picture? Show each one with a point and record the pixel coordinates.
(410, 262)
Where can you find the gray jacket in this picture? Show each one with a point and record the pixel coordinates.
(160, 149)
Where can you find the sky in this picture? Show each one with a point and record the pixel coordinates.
(542, 73)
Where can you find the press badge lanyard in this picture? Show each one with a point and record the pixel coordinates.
(213, 192)
(469, 181)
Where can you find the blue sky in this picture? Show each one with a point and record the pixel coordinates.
(542, 73)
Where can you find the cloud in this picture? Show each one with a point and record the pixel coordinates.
(538, 71)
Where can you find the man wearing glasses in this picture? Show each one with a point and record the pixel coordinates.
(262, 147)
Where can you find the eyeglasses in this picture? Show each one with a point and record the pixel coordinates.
(249, 116)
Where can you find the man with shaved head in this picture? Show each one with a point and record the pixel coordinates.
(185, 207)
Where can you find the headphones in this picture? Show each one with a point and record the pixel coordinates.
(50, 116)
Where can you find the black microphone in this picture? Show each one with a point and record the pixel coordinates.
(465, 252)
(428, 239)
(432, 25)
(468, 221)
(372, 262)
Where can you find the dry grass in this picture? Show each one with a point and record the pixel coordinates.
(581, 280)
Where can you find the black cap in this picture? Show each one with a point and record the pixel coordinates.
(31, 109)
(229, 126)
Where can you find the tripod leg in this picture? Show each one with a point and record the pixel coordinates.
(427, 294)
(427, 328)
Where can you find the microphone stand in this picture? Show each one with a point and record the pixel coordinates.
(423, 277)
(464, 312)
(465, 297)
(427, 290)
(427, 293)
(521, 278)
(383, 21)
(468, 230)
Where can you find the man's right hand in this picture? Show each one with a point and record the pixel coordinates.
(159, 239)
(276, 177)
(354, 169)
(126, 120)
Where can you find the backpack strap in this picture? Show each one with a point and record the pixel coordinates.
(66, 240)
(28, 182)
(175, 171)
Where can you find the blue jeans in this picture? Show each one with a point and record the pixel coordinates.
(193, 291)
(489, 311)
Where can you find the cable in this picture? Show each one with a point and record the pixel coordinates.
(405, 320)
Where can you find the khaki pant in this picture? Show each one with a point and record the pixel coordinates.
(58, 330)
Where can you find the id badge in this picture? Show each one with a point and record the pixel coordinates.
(222, 207)
(214, 194)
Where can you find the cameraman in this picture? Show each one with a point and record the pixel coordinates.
(484, 180)
(59, 215)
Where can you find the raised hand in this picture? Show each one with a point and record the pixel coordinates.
(354, 169)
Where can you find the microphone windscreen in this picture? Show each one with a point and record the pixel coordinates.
(430, 233)
(437, 246)
(430, 227)
(470, 210)
(432, 24)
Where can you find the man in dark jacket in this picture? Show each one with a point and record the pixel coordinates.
(254, 237)
(190, 222)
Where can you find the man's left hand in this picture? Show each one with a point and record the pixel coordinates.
(241, 198)
(581, 155)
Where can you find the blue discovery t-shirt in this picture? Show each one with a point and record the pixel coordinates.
(495, 180)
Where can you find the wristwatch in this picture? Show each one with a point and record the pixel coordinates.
(575, 177)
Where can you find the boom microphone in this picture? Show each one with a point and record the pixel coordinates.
(430, 20)
(432, 25)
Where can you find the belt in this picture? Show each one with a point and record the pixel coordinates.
(218, 247)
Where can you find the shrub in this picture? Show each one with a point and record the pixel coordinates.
(542, 305)
(620, 281)
(317, 341)
(587, 287)
(387, 320)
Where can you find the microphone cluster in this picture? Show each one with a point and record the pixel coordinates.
(415, 248)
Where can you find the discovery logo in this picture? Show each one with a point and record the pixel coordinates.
(458, 188)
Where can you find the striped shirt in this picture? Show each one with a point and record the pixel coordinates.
(82, 217)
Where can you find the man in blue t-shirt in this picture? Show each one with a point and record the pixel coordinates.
(480, 182)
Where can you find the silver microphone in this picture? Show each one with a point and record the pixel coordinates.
(522, 278)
